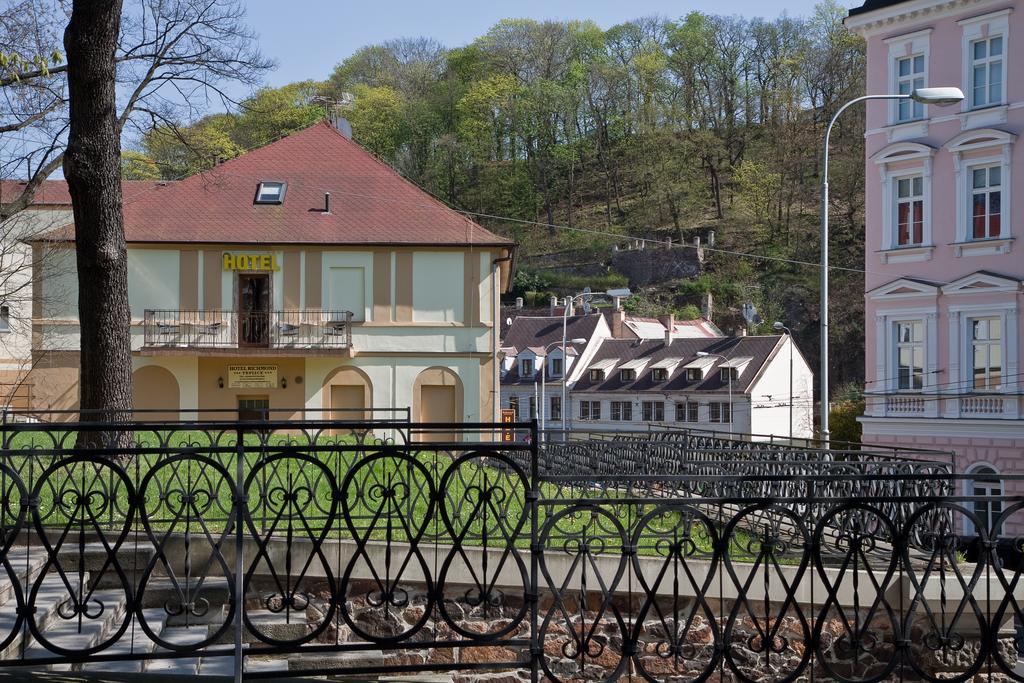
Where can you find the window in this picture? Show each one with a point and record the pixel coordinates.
(659, 374)
(556, 367)
(622, 411)
(693, 375)
(5, 318)
(513, 404)
(987, 71)
(597, 375)
(987, 353)
(686, 412)
(590, 410)
(986, 490)
(533, 407)
(728, 374)
(526, 367)
(653, 411)
(986, 202)
(253, 408)
(721, 412)
(627, 375)
(909, 355)
(270, 192)
(909, 77)
(909, 211)
(556, 408)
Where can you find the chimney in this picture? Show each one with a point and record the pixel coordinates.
(618, 320)
(519, 303)
(669, 322)
(706, 306)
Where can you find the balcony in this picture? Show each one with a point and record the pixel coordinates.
(247, 330)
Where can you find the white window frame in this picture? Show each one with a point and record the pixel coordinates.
(996, 488)
(897, 345)
(912, 81)
(999, 147)
(653, 407)
(987, 190)
(724, 410)
(555, 413)
(886, 368)
(911, 199)
(961, 360)
(970, 344)
(977, 28)
(553, 371)
(918, 160)
(523, 362)
(903, 47)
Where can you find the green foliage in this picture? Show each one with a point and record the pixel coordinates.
(687, 312)
(842, 419)
(138, 166)
(567, 283)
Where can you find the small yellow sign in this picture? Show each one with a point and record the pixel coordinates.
(260, 262)
(252, 376)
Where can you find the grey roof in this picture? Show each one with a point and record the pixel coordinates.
(759, 349)
(542, 331)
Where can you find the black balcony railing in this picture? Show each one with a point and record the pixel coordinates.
(318, 548)
(213, 329)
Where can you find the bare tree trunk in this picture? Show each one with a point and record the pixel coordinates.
(92, 168)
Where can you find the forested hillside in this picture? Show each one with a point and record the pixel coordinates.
(576, 140)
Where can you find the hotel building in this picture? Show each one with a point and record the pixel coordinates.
(305, 274)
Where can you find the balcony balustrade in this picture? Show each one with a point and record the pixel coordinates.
(215, 329)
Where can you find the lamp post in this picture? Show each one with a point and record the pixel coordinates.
(705, 354)
(570, 302)
(543, 382)
(938, 96)
(778, 326)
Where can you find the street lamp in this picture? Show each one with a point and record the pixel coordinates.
(570, 302)
(543, 381)
(705, 354)
(778, 327)
(939, 96)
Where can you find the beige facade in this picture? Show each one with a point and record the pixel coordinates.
(345, 331)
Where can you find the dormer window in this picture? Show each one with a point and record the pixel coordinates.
(659, 374)
(597, 375)
(270, 192)
(728, 374)
(526, 367)
(627, 375)
(694, 375)
(556, 367)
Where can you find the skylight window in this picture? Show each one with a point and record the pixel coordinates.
(270, 192)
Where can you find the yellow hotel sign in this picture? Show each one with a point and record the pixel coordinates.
(251, 262)
(252, 376)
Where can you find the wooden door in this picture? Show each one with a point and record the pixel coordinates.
(348, 402)
(437, 404)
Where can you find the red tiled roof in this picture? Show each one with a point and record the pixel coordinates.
(55, 192)
(370, 202)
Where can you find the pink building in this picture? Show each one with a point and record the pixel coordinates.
(944, 259)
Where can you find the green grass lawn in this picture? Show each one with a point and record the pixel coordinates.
(302, 483)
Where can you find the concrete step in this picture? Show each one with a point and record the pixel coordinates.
(26, 564)
(78, 634)
(279, 626)
(134, 641)
(310, 663)
(52, 592)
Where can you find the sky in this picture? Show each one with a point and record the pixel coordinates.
(307, 38)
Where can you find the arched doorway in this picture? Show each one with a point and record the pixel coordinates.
(348, 394)
(437, 397)
(155, 389)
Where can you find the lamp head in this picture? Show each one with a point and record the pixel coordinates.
(778, 326)
(578, 340)
(703, 354)
(940, 96)
(619, 292)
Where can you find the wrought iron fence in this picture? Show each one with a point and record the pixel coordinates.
(200, 547)
(217, 329)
